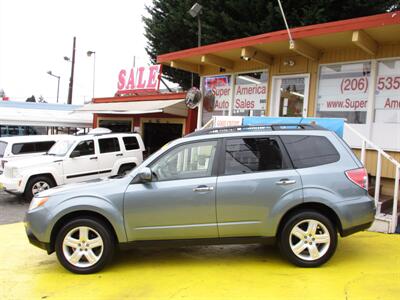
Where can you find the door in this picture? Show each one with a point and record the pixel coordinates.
(254, 176)
(179, 203)
(157, 135)
(109, 153)
(290, 95)
(84, 166)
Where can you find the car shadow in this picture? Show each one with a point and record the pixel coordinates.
(220, 254)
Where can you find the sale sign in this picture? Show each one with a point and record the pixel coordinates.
(344, 87)
(139, 79)
(250, 96)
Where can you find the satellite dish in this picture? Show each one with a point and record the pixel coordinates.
(193, 97)
(209, 101)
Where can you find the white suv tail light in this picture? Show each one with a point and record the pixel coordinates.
(359, 177)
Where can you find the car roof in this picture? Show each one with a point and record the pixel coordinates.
(29, 138)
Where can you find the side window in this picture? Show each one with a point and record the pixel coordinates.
(44, 146)
(310, 151)
(23, 148)
(247, 155)
(131, 143)
(109, 145)
(186, 161)
(85, 147)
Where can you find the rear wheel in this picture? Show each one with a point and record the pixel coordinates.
(84, 246)
(38, 184)
(308, 239)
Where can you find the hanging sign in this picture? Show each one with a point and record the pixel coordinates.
(139, 79)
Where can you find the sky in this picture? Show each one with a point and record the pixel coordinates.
(35, 35)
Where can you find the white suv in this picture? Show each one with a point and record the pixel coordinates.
(74, 159)
(20, 147)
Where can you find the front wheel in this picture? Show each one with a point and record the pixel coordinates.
(308, 239)
(84, 246)
(38, 184)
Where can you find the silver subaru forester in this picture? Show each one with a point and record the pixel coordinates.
(296, 185)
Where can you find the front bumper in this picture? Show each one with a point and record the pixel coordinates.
(34, 240)
(12, 185)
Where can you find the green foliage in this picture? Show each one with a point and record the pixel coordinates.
(170, 28)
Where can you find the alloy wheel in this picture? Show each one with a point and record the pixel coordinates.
(39, 186)
(82, 247)
(309, 239)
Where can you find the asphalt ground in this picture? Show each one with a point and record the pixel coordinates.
(365, 266)
(12, 208)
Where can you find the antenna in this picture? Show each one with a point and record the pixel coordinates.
(286, 24)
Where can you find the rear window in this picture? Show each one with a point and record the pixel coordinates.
(24, 148)
(131, 143)
(310, 151)
(3, 146)
(247, 155)
(109, 145)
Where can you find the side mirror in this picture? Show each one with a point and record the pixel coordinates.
(145, 175)
(75, 153)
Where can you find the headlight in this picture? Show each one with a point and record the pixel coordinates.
(37, 201)
(14, 172)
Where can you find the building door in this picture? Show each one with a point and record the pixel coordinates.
(156, 135)
(290, 95)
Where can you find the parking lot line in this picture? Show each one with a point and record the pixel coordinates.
(365, 266)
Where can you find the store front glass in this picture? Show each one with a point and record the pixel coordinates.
(220, 87)
(116, 125)
(250, 98)
(387, 93)
(290, 96)
(343, 91)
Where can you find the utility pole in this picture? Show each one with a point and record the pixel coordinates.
(71, 79)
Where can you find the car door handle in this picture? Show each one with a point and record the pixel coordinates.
(203, 188)
(119, 154)
(285, 182)
(93, 158)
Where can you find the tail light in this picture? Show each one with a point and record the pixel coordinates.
(359, 177)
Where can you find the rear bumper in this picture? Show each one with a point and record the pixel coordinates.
(356, 215)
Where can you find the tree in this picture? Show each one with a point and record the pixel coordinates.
(170, 28)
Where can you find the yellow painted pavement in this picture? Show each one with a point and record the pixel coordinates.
(365, 266)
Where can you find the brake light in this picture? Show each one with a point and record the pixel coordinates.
(359, 177)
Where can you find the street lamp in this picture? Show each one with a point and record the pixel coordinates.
(58, 84)
(89, 54)
(195, 11)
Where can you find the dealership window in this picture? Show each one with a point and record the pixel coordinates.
(220, 87)
(250, 94)
(343, 91)
(116, 125)
(387, 92)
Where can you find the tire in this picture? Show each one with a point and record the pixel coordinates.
(42, 182)
(308, 239)
(124, 169)
(84, 245)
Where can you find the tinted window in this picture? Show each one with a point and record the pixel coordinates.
(109, 145)
(85, 148)
(186, 161)
(246, 155)
(23, 148)
(310, 151)
(131, 143)
(3, 146)
(44, 146)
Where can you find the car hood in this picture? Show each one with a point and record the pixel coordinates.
(32, 161)
(92, 187)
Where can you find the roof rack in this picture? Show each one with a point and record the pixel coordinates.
(258, 127)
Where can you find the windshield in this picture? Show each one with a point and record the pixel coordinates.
(3, 146)
(61, 147)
